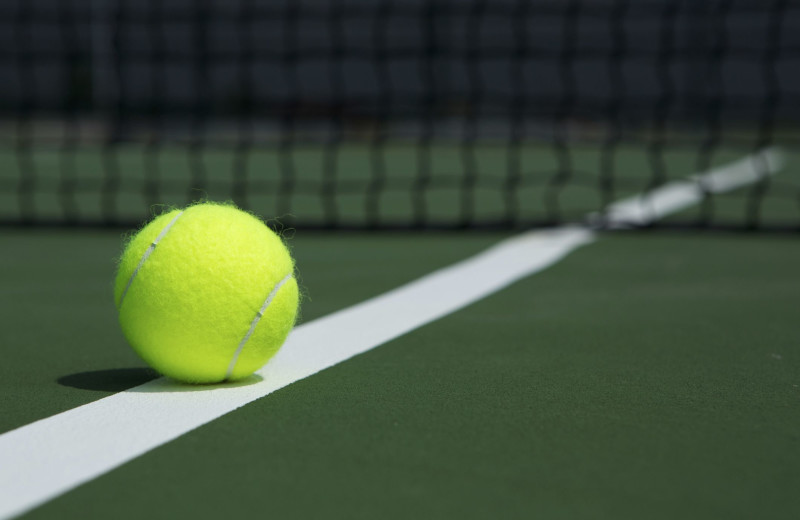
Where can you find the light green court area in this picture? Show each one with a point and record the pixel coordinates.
(356, 184)
(644, 376)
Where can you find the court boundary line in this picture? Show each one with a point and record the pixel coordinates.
(54, 455)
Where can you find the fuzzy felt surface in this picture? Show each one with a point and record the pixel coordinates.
(194, 298)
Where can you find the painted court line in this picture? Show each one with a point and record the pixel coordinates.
(678, 195)
(49, 457)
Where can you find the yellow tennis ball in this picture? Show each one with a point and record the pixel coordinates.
(206, 294)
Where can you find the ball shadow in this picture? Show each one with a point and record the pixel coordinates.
(110, 380)
(132, 379)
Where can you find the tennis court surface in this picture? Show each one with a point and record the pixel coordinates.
(548, 255)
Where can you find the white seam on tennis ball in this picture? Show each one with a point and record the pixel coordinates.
(146, 255)
(253, 324)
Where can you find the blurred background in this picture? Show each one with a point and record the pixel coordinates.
(650, 375)
(386, 114)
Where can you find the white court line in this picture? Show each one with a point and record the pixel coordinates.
(49, 457)
(675, 196)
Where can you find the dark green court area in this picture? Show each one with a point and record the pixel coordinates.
(644, 376)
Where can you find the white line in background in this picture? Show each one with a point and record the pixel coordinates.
(675, 196)
(49, 457)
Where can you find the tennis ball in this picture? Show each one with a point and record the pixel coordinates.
(206, 294)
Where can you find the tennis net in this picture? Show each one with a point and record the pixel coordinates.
(395, 114)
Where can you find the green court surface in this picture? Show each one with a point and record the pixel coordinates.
(643, 376)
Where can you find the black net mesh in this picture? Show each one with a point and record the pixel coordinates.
(396, 114)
